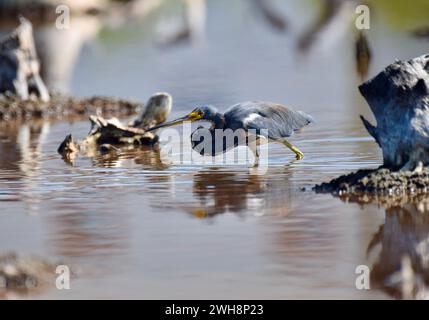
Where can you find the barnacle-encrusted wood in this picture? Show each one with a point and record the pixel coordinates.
(399, 100)
(19, 65)
(106, 133)
(111, 131)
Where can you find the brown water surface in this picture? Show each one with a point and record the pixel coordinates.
(135, 227)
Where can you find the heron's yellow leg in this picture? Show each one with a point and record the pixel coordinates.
(298, 154)
(254, 147)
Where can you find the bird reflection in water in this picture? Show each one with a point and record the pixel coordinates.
(240, 192)
(220, 192)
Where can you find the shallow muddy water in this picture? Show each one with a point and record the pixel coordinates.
(133, 226)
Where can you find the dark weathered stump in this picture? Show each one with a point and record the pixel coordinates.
(399, 100)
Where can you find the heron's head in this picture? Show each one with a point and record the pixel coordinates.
(208, 113)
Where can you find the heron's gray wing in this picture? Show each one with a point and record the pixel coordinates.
(269, 119)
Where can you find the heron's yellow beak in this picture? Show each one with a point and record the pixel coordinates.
(193, 116)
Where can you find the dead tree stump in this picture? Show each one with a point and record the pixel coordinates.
(399, 100)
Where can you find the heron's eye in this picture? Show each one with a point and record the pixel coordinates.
(196, 115)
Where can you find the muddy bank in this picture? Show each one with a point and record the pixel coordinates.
(24, 275)
(62, 106)
(370, 184)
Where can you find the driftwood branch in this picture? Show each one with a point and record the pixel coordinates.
(399, 100)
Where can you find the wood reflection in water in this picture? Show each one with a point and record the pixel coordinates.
(402, 264)
(22, 151)
(79, 230)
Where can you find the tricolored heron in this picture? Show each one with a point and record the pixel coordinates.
(267, 120)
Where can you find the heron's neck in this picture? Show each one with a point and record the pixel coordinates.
(218, 121)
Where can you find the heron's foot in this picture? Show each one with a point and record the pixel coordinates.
(298, 154)
(256, 162)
